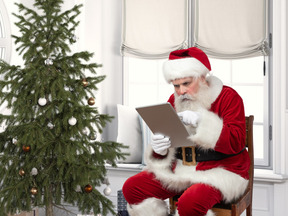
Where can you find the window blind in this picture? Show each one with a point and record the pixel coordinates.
(231, 28)
(153, 28)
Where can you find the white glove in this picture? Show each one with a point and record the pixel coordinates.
(160, 144)
(189, 117)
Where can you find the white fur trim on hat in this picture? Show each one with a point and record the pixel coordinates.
(149, 207)
(184, 67)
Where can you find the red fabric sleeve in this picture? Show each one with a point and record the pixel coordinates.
(229, 107)
(171, 100)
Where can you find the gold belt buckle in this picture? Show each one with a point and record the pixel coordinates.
(186, 155)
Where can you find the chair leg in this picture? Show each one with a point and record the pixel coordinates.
(172, 205)
(249, 211)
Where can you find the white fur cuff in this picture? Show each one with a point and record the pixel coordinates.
(159, 164)
(208, 130)
(149, 207)
(210, 213)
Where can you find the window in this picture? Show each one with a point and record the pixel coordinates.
(5, 45)
(247, 77)
(144, 84)
(5, 38)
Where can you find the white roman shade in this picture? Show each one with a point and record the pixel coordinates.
(231, 28)
(154, 28)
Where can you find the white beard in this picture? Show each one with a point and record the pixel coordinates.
(202, 100)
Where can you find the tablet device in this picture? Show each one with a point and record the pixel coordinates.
(162, 118)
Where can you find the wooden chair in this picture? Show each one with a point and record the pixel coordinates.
(245, 201)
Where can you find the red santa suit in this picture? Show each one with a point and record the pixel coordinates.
(221, 129)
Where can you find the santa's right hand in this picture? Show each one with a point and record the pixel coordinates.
(160, 144)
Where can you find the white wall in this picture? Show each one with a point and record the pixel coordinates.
(280, 110)
(103, 36)
(99, 32)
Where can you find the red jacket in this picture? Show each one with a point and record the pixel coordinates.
(229, 107)
(222, 128)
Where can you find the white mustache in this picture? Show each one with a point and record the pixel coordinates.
(186, 96)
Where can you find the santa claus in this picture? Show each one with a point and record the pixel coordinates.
(214, 117)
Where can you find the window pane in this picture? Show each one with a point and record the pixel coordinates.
(5, 34)
(1, 26)
(221, 69)
(148, 86)
(248, 70)
(246, 77)
(2, 52)
(141, 70)
(258, 141)
(165, 91)
(142, 94)
(253, 100)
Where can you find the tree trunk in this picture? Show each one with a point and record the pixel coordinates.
(49, 205)
(49, 209)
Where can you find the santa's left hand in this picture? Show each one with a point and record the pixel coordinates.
(190, 117)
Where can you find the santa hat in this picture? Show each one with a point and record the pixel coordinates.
(191, 62)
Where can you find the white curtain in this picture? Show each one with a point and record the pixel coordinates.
(231, 28)
(154, 28)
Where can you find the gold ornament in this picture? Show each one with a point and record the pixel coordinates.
(26, 148)
(85, 82)
(21, 172)
(34, 190)
(88, 188)
(91, 101)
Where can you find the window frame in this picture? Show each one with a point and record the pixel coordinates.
(6, 40)
(267, 161)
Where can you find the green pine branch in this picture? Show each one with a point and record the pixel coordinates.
(45, 158)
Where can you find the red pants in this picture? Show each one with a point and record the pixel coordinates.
(196, 200)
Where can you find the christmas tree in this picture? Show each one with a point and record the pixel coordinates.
(50, 150)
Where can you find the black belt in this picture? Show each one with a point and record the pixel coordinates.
(203, 155)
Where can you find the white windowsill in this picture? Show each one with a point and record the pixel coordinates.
(262, 175)
(126, 167)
